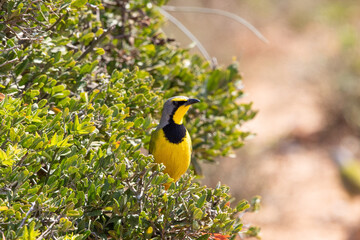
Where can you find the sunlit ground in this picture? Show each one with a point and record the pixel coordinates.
(293, 83)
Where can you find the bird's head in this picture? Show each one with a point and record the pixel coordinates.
(175, 108)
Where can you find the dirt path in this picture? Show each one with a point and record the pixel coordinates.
(288, 80)
(303, 197)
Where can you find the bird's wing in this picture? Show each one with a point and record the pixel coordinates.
(154, 136)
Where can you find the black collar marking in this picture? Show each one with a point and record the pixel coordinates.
(174, 133)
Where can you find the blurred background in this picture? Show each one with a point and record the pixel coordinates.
(304, 157)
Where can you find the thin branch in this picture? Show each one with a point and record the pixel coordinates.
(69, 45)
(94, 43)
(34, 19)
(218, 12)
(27, 214)
(22, 29)
(18, 37)
(188, 33)
(10, 61)
(47, 231)
(14, 32)
(42, 14)
(4, 190)
(11, 48)
(56, 23)
(22, 159)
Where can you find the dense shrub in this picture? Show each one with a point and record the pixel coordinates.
(84, 83)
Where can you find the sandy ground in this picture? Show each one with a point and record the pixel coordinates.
(287, 79)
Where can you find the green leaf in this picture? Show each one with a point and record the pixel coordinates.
(33, 93)
(3, 156)
(92, 193)
(31, 128)
(58, 88)
(3, 208)
(197, 214)
(42, 103)
(12, 135)
(87, 38)
(30, 233)
(243, 205)
(147, 122)
(201, 201)
(138, 122)
(255, 202)
(21, 67)
(84, 97)
(100, 51)
(73, 213)
(41, 78)
(78, 3)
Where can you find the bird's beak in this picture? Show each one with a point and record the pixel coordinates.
(191, 101)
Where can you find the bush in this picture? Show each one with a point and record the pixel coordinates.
(84, 82)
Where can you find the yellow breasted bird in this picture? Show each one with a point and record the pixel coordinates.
(170, 143)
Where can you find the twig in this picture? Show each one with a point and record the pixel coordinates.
(132, 189)
(150, 179)
(45, 233)
(94, 43)
(34, 19)
(18, 37)
(96, 236)
(10, 61)
(14, 32)
(56, 23)
(4, 190)
(22, 29)
(11, 48)
(22, 159)
(188, 33)
(69, 45)
(218, 12)
(42, 14)
(52, 10)
(49, 170)
(27, 214)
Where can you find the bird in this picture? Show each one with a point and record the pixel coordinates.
(170, 142)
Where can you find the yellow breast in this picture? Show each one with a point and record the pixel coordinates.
(175, 156)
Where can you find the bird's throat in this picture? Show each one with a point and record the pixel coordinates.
(179, 114)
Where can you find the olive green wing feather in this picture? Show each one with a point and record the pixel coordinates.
(154, 136)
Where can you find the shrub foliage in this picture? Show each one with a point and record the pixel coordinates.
(84, 82)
